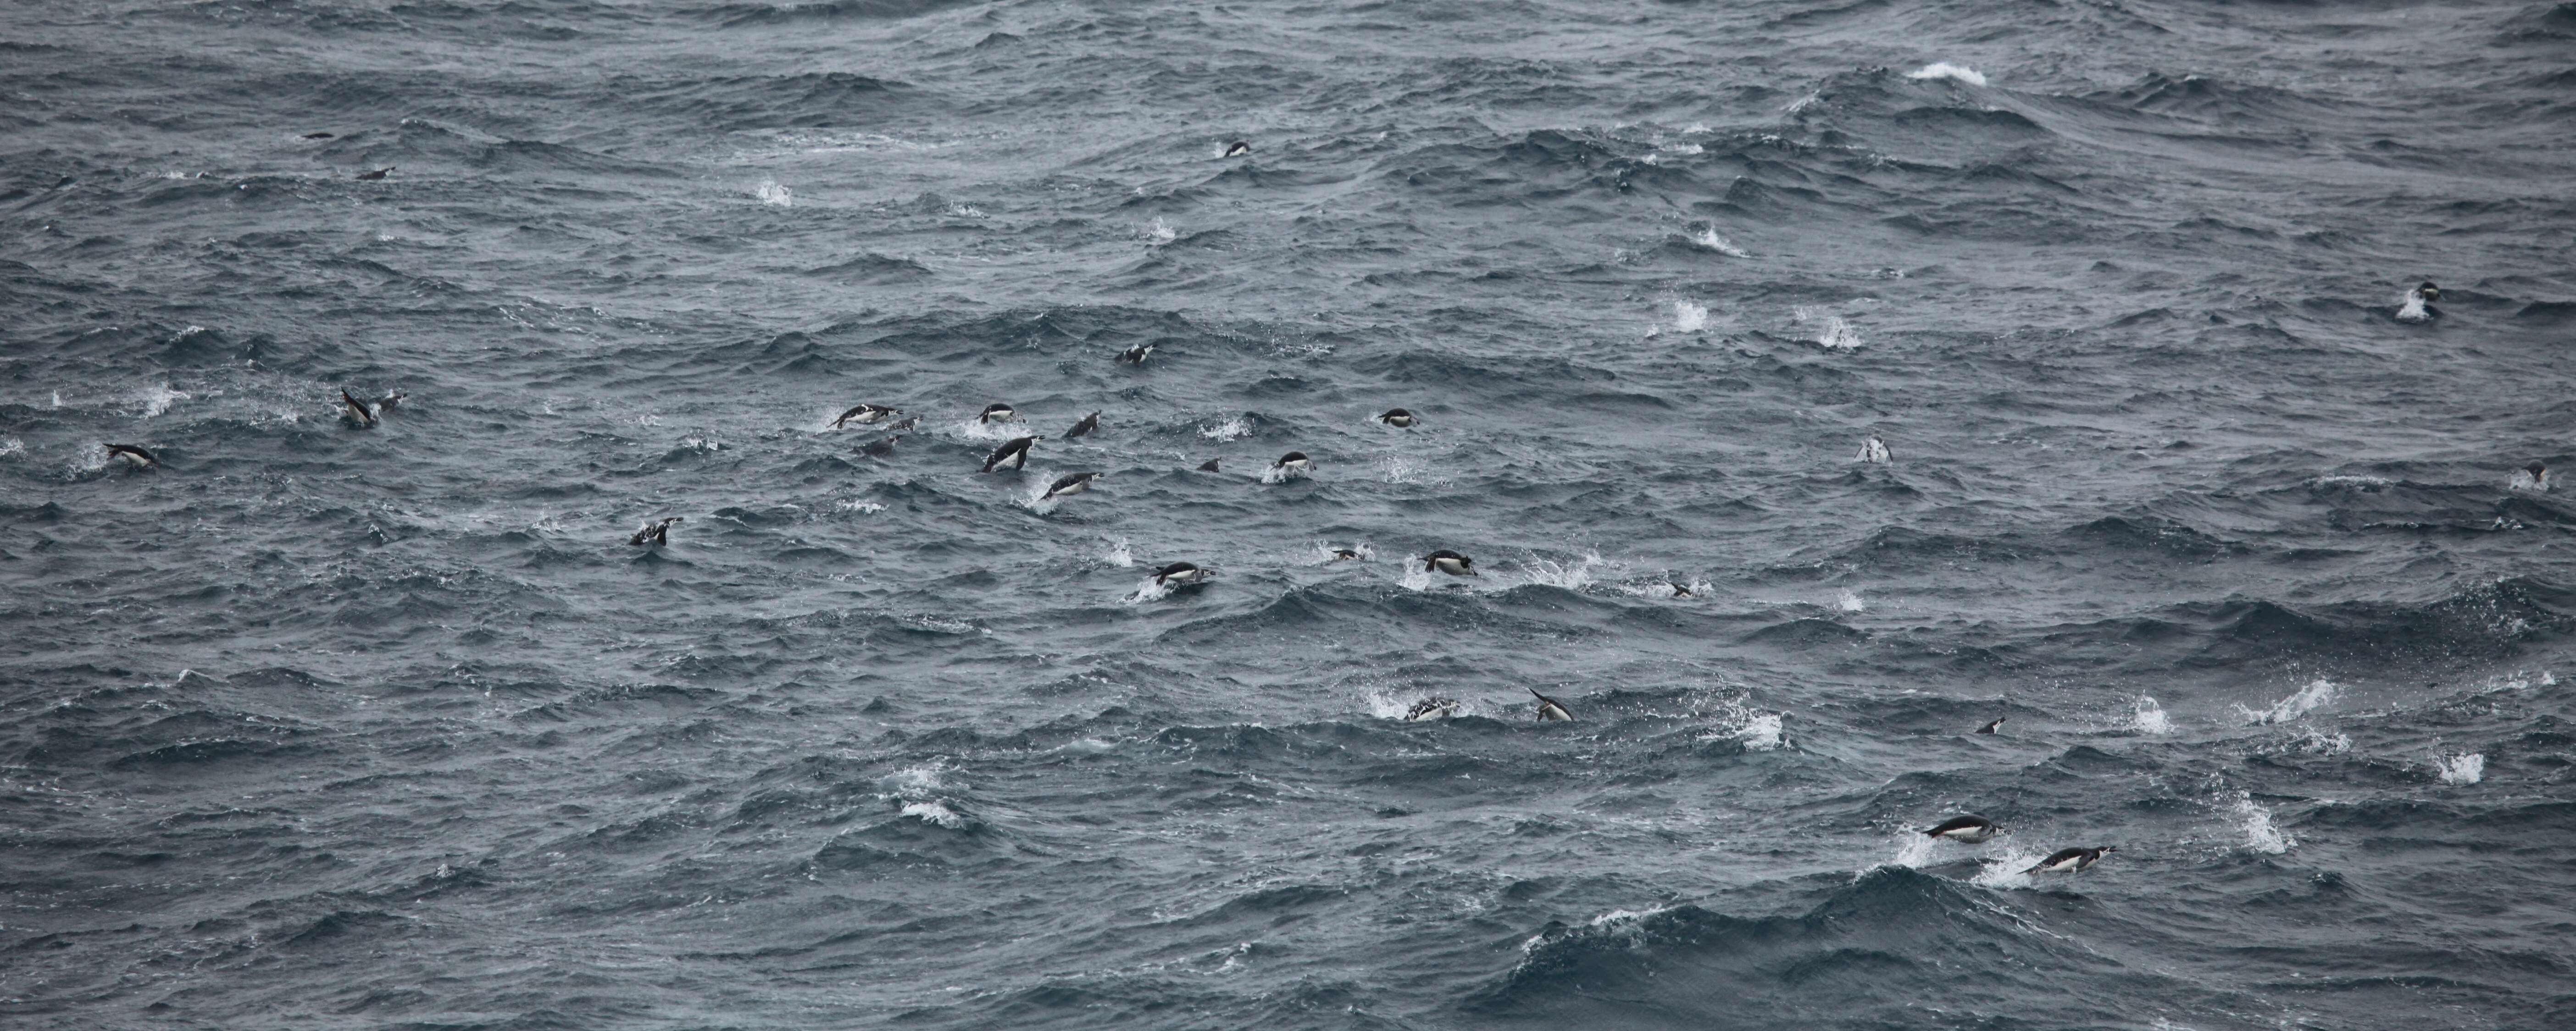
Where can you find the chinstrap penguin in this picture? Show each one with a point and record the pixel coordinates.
(879, 448)
(1992, 726)
(998, 412)
(1345, 555)
(1089, 423)
(2070, 860)
(133, 456)
(1238, 148)
(1136, 355)
(1873, 450)
(1181, 574)
(2533, 477)
(1450, 562)
(385, 405)
(1549, 709)
(375, 174)
(1012, 455)
(1398, 418)
(1074, 484)
(1972, 830)
(865, 415)
(1209, 466)
(653, 533)
(1432, 708)
(909, 422)
(1294, 463)
(356, 412)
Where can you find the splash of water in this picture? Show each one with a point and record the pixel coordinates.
(1688, 317)
(1549, 573)
(1837, 335)
(156, 400)
(2301, 702)
(774, 195)
(1161, 232)
(2465, 768)
(2412, 309)
(2256, 822)
(1118, 555)
(1709, 239)
(2147, 717)
(1851, 602)
(1232, 429)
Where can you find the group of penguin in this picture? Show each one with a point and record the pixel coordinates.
(1014, 455)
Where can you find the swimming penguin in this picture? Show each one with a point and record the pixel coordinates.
(1991, 727)
(1398, 418)
(1181, 574)
(864, 415)
(2533, 477)
(1345, 555)
(1074, 484)
(1238, 148)
(1294, 463)
(1432, 708)
(1208, 466)
(908, 422)
(1550, 709)
(356, 411)
(2418, 305)
(879, 448)
(385, 405)
(2070, 860)
(1969, 829)
(998, 412)
(1014, 455)
(1680, 590)
(1089, 423)
(656, 534)
(1450, 562)
(1136, 355)
(1873, 450)
(317, 135)
(134, 457)
(371, 176)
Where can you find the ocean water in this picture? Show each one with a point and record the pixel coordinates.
(322, 726)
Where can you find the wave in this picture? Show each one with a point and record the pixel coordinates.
(1876, 949)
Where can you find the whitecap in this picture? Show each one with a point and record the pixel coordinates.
(1161, 232)
(774, 195)
(1850, 602)
(977, 429)
(1232, 429)
(1946, 70)
(10, 446)
(1688, 317)
(1118, 555)
(860, 507)
(937, 813)
(2412, 309)
(2318, 692)
(2466, 768)
(1283, 474)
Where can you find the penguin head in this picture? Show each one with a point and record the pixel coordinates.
(2429, 292)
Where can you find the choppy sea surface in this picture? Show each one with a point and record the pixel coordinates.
(317, 725)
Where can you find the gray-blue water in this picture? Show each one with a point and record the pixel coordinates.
(325, 726)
